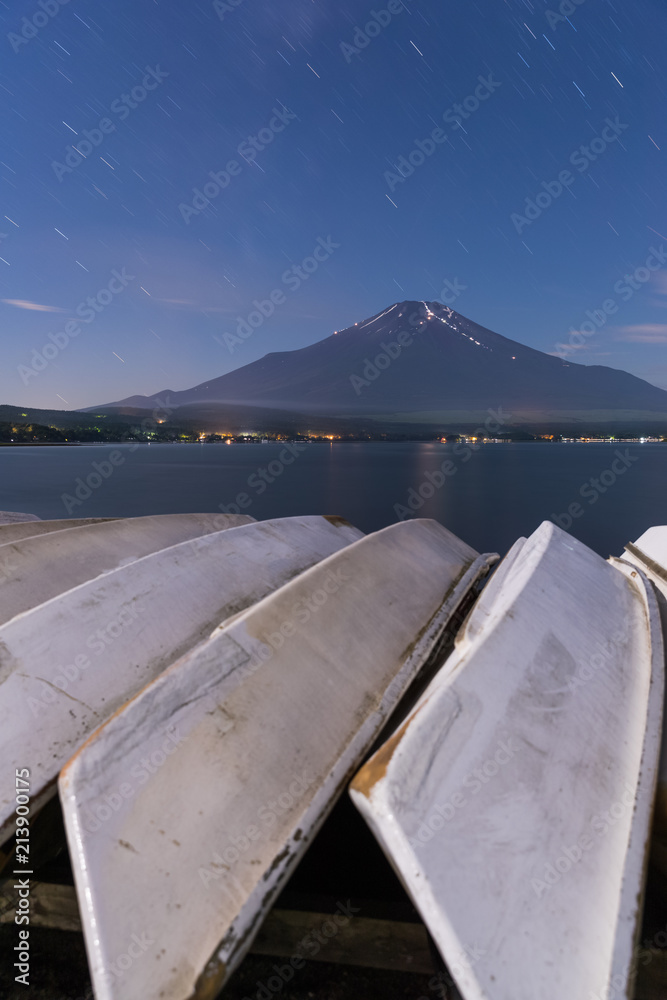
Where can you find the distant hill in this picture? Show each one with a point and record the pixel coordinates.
(122, 422)
(420, 363)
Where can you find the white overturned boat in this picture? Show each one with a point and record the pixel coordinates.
(166, 805)
(515, 800)
(39, 567)
(14, 531)
(649, 553)
(67, 664)
(14, 517)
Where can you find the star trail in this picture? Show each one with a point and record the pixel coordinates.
(201, 151)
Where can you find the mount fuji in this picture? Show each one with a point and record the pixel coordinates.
(423, 363)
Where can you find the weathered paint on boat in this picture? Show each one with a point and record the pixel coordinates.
(649, 552)
(249, 740)
(68, 664)
(515, 800)
(28, 529)
(39, 568)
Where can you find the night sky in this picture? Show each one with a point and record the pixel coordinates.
(314, 138)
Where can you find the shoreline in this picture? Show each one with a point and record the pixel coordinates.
(365, 440)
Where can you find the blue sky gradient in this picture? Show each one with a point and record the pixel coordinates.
(320, 135)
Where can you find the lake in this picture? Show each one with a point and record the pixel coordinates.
(489, 497)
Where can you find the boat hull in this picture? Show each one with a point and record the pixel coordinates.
(15, 517)
(38, 568)
(14, 532)
(649, 553)
(515, 800)
(67, 665)
(271, 716)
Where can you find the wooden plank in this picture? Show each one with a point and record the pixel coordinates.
(322, 937)
(273, 713)
(348, 940)
(515, 800)
(68, 664)
(46, 839)
(651, 982)
(53, 907)
(367, 943)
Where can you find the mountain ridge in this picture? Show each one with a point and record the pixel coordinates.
(417, 358)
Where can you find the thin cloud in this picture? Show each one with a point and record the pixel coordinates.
(34, 306)
(567, 349)
(241, 310)
(658, 288)
(192, 306)
(642, 333)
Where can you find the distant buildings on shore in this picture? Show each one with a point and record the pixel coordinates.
(559, 439)
(612, 440)
(99, 433)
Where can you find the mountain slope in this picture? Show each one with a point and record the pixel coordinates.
(419, 359)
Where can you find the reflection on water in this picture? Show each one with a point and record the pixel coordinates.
(488, 497)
